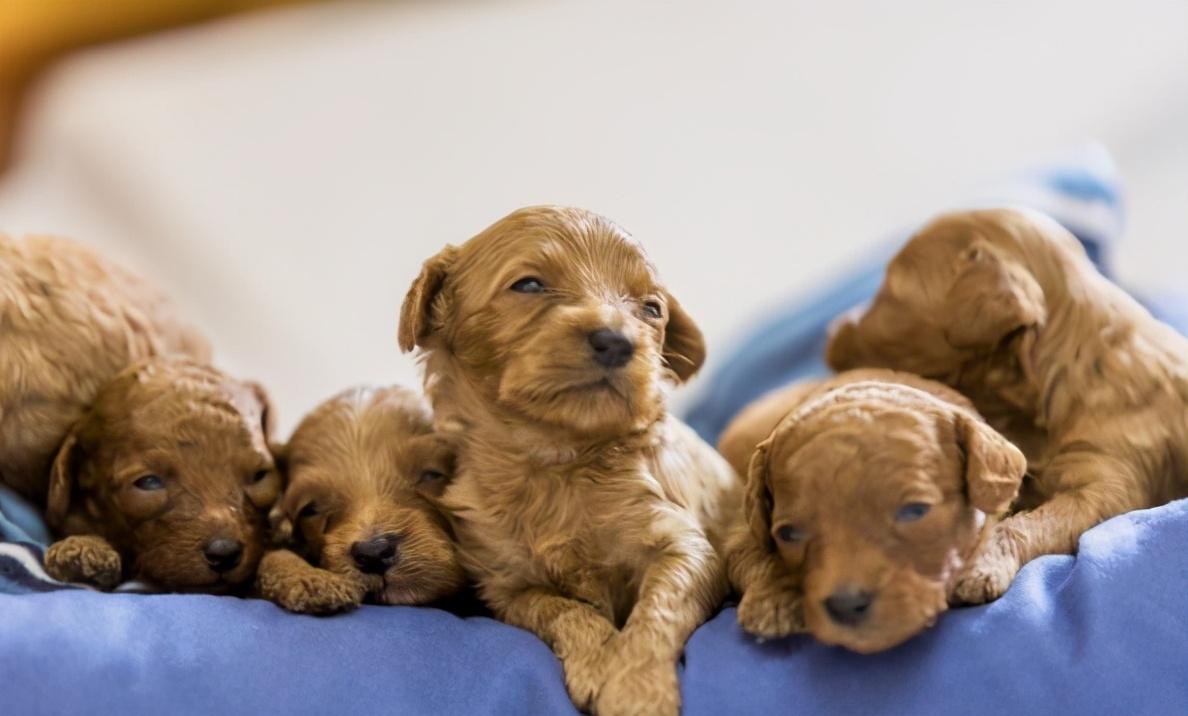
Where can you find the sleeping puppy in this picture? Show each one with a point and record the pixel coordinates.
(167, 478)
(584, 512)
(875, 487)
(1005, 306)
(70, 320)
(364, 470)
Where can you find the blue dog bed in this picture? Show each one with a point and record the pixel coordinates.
(1105, 632)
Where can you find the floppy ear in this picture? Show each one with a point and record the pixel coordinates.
(416, 315)
(267, 412)
(63, 477)
(994, 468)
(990, 299)
(757, 499)
(842, 351)
(684, 346)
(280, 525)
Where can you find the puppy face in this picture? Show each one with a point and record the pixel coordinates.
(959, 298)
(876, 494)
(364, 470)
(171, 465)
(555, 315)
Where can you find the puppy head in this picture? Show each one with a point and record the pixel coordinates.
(960, 290)
(555, 315)
(171, 465)
(876, 494)
(364, 471)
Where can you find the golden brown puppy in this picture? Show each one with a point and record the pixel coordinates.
(1005, 306)
(364, 471)
(69, 322)
(585, 513)
(167, 478)
(876, 488)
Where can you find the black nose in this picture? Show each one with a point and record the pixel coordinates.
(611, 348)
(375, 555)
(848, 606)
(223, 554)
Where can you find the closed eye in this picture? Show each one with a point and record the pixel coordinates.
(790, 534)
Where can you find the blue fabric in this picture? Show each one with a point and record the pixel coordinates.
(1105, 632)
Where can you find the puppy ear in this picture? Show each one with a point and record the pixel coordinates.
(757, 498)
(416, 314)
(63, 478)
(994, 468)
(990, 299)
(267, 412)
(280, 524)
(843, 350)
(684, 346)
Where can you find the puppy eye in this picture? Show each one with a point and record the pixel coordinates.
(431, 476)
(790, 534)
(912, 511)
(308, 511)
(528, 284)
(148, 483)
(259, 476)
(653, 309)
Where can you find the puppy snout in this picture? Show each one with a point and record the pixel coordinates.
(223, 554)
(375, 555)
(849, 607)
(611, 348)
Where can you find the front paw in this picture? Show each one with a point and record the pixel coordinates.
(772, 611)
(988, 575)
(84, 558)
(305, 589)
(584, 663)
(644, 684)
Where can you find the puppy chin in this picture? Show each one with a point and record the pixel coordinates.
(588, 402)
(890, 626)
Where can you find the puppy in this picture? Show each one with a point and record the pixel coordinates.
(1005, 306)
(876, 488)
(166, 478)
(364, 471)
(584, 512)
(69, 322)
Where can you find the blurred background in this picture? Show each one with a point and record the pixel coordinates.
(283, 172)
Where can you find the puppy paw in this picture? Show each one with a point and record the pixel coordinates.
(84, 558)
(988, 575)
(584, 663)
(287, 580)
(640, 687)
(771, 611)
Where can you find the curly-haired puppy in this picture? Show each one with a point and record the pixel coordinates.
(167, 478)
(70, 320)
(364, 472)
(579, 504)
(876, 487)
(1005, 306)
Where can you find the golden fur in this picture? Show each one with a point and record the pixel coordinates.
(69, 321)
(171, 458)
(584, 512)
(1005, 306)
(363, 465)
(829, 466)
